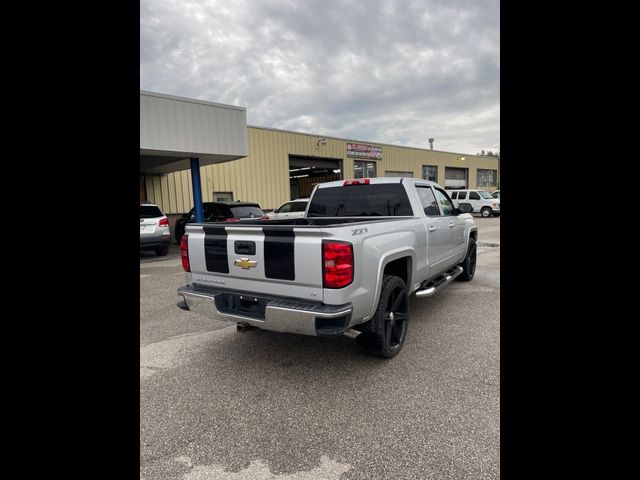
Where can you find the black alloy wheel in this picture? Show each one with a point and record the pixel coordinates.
(385, 333)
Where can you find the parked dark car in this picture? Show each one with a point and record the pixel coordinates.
(220, 212)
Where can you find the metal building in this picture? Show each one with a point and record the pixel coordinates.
(274, 166)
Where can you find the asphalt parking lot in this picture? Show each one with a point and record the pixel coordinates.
(219, 404)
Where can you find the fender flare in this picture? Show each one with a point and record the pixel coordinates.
(472, 229)
(384, 260)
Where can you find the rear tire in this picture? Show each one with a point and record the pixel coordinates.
(384, 334)
(161, 252)
(486, 212)
(469, 263)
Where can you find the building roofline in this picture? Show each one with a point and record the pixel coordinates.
(191, 100)
(369, 142)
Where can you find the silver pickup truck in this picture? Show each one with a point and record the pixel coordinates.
(347, 268)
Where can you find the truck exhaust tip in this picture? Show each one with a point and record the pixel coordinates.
(243, 327)
(351, 333)
(182, 304)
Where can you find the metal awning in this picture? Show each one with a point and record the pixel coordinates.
(175, 129)
(177, 133)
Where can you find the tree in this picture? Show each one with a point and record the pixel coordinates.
(488, 154)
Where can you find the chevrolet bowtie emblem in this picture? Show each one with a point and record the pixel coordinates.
(245, 263)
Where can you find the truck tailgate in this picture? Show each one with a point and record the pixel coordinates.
(259, 259)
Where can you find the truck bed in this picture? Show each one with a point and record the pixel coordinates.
(324, 222)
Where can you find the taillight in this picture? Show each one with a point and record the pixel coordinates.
(164, 222)
(264, 217)
(337, 263)
(232, 219)
(364, 181)
(184, 252)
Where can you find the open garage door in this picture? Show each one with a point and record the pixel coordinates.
(455, 177)
(306, 172)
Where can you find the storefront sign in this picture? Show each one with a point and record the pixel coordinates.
(358, 150)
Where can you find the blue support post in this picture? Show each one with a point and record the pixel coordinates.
(197, 191)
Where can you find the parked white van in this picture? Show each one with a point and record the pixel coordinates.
(481, 201)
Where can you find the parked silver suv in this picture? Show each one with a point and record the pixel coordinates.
(481, 201)
(154, 229)
(293, 209)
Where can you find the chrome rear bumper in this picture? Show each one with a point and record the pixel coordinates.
(278, 314)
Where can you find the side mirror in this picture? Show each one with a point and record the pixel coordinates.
(432, 210)
(465, 208)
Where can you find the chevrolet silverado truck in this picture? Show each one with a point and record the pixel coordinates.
(347, 267)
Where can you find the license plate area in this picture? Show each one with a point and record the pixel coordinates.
(242, 305)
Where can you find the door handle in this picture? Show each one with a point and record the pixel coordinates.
(451, 224)
(432, 228)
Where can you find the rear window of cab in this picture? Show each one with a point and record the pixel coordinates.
(377, 200)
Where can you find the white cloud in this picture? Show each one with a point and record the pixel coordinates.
(382, 70)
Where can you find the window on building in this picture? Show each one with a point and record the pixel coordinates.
(429, 203)
(223, 196)
(430, 172)
(364, 169)
(392, 173)
(474, 196)
(486, 178)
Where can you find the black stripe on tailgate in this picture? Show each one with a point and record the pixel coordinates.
(215, 249)
(279, 253)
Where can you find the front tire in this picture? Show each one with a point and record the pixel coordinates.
(469, 263)
(384, 334)
(486, 212)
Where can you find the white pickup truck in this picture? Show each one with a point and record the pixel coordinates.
(347, 268)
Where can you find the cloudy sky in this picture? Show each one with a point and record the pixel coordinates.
(390, 71)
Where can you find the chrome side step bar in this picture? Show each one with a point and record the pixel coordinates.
(430, 288)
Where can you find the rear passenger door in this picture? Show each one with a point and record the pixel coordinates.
(455, 226)
(437, 231)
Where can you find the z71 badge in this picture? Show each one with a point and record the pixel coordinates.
(358, 231)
